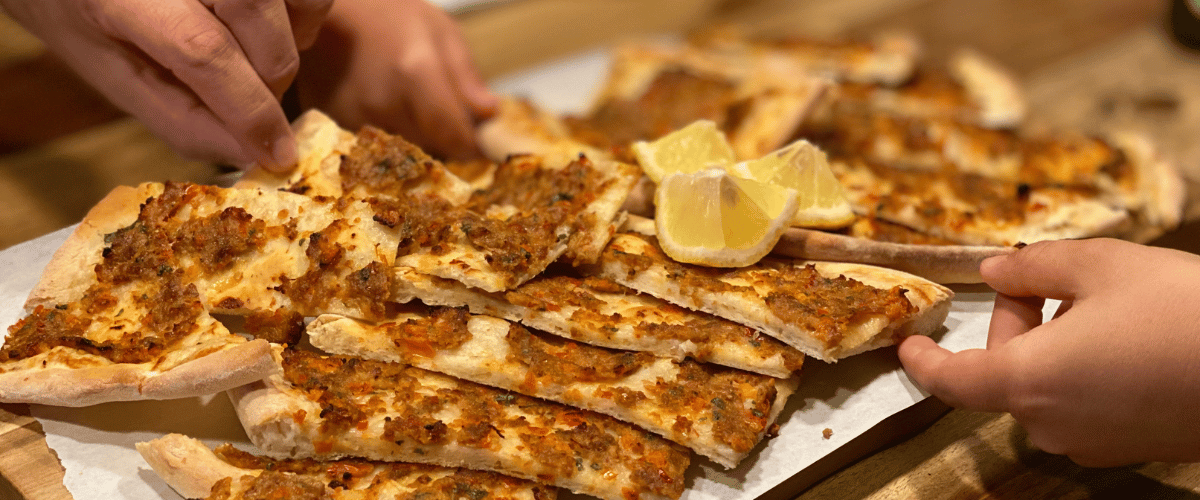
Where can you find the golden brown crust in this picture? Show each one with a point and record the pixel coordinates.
(187, 465)
(319, 140)
(61, 385)
(937, 263)
(72, 387)
(69, 272)
(725, 424)
(521, 437)
(520, 128)
(232, 367)
(745, 296)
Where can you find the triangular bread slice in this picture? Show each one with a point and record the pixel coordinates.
(827, 310)
(530, 216)
(122, 310)
(719, 412)
(605, 313)
(335, 162)
(330, 407)
(196, 471)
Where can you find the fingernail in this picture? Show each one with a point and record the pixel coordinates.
(987, 264)
(283, 155)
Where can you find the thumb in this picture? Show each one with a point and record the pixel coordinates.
(974, 379)
(1048, 269)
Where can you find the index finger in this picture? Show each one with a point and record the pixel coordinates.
(185, 38)
(974, 379)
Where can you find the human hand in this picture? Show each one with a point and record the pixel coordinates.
(401, 65)
(1112, 379)
(205, 75)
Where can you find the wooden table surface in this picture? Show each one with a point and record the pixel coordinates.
(1087, 64)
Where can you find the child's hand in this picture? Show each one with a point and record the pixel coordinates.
(1113, 379)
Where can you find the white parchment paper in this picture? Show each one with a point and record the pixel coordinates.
(96, 444)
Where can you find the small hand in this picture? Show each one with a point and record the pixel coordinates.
(205, 75)
(401, 65)
(1112, 379)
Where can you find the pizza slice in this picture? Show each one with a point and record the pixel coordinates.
(605, 313)
(123, 309)
(719, 412)
(227, 473)
(372, 163)
(827, 310)
(330, 407)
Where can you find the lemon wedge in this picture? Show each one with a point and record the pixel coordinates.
(715, 219)
(803, 167)
(698, 146)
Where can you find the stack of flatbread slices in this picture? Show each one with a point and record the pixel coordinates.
(934, 161)
(384, 325)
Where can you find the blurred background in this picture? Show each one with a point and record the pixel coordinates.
(1086, 64)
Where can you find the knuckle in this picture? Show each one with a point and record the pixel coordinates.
(417, 64)
(199, 47)
(283, 66)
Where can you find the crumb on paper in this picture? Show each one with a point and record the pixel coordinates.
(772, 431)
(827, 433)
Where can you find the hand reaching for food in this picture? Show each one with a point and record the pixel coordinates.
(1112, 379)
(205, 75)
(402, 66)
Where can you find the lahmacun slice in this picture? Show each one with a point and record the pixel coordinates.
(827, 310)
(605, 313)
(335, 162)
(529, 217)
(196, 471)
(330, 407)
(122, 310)
(719, 412)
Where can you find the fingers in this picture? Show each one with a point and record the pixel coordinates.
(200, 51)
(973, 379)
(444, 123)
(147, 91)
(264, 32)
(1046, 269)
(306, 17)
(1013, 316)
(468, 82)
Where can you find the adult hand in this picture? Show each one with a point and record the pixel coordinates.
(1112, 379)
(401, 65)
(205, 75)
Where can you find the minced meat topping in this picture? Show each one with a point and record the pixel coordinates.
(562, 362)
(382, 163)
(562, 441)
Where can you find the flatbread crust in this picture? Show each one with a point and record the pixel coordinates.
(397, 413)
(604, 313)
(122, 311)
(745, 296)
(195, 471)
(727, 411)
(520, 127)
(937, 263)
